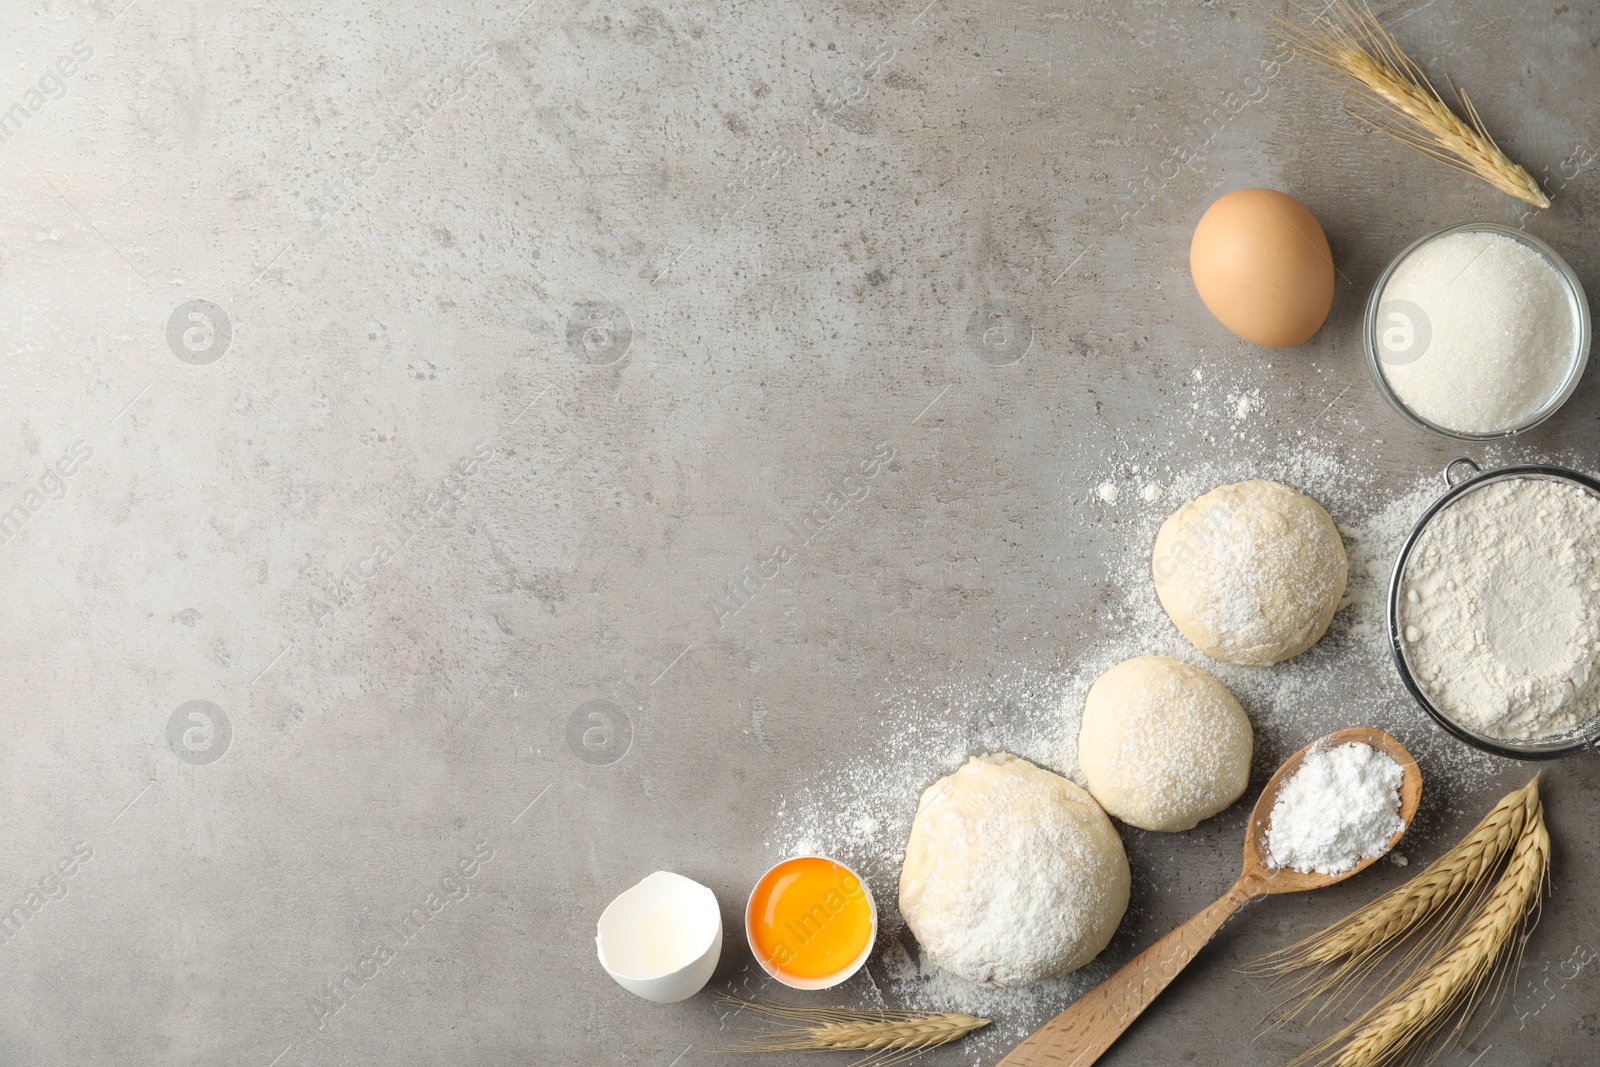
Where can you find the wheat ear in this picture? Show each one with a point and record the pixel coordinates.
(1457, 978)
(1383, 922)
(894, 1036)
(1349, 41)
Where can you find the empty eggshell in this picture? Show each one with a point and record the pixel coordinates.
(661, 939)
(1261, 264)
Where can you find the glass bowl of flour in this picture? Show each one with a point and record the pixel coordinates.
(1494, 610)
(1477, 332)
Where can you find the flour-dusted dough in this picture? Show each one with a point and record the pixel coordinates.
(1012, 873)
(1163, 744)
(1251, 573)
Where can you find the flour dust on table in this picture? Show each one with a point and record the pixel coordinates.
(860, 810)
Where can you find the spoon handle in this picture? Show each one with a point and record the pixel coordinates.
(1081, 1034)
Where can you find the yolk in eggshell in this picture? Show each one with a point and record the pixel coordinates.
(810, 918)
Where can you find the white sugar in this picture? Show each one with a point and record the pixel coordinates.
(1476, 331)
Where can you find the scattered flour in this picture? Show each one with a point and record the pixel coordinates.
(929, 730)
(1108, 492)
(1243, 405)
(1150, 493)
(1501, 613)
(1341, 806)
(1028, 702)
(1031, 706)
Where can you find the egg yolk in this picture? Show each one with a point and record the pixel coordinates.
(810, 918)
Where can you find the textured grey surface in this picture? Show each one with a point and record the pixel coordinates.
(675, 271)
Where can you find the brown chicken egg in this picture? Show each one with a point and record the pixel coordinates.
(1261, 263)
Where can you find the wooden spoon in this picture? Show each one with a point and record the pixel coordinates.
(1081, 1034)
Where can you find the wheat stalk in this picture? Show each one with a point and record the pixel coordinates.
(1349, 943)
(928, 1033)
(1458, 976)
(894, 1036)
(1349, 41)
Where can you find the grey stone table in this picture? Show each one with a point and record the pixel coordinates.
(402, 405)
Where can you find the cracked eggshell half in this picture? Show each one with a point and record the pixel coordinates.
(661, 939)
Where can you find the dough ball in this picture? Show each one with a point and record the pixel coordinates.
(1163, 744)
(1250, 573)
(1012, 873)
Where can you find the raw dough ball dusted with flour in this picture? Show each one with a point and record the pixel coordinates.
(1012, 873)
(1250, 573)
(1163, 744)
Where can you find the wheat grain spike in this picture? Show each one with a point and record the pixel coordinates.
(893, 1036)
(1461, 972)
(1401, 910)
(1455, 978)
(928, 1033)
(1348, 40)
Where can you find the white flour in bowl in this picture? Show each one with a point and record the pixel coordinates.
(1500, 616)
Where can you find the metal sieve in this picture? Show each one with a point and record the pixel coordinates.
(1380, 313)
(1460, 483)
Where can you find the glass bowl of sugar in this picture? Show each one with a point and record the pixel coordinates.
(1494, 610)
(1477, 332)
